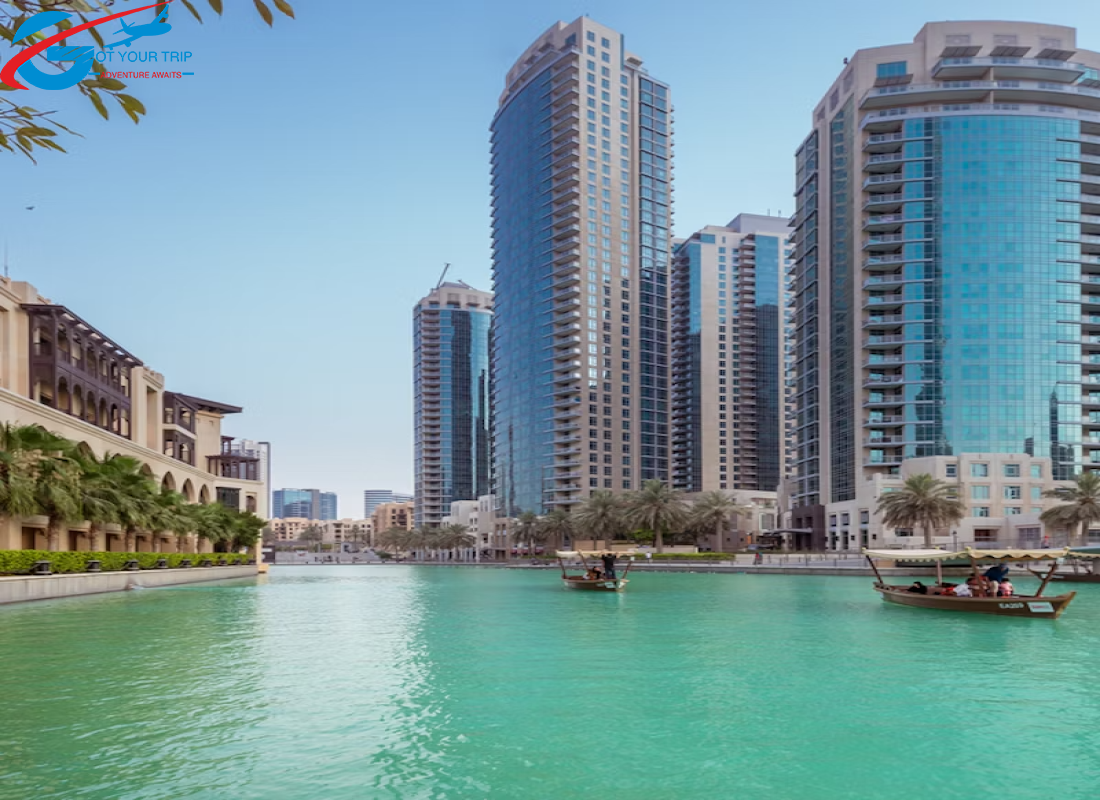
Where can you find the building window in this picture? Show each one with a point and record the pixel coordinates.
(979, 470)
(891, 69)
(952, 470)
(1013, 510)
(979, 511)
(1036, 493)
(1036, 470)
(1012, 470)
(1013, 493)
(979, 492)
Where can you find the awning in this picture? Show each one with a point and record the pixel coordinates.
(978, 555)
(1081, 554)
(594, 553)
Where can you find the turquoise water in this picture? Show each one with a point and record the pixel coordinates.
(407, 682)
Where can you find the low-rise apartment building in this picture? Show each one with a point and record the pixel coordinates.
(60, 372)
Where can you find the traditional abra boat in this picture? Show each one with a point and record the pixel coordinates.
(1015, 606)
(588, 580)
(1074, 558)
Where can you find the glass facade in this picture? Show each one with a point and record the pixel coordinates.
(770, 406)
(581, 208)
(523, 265)
(452, 402)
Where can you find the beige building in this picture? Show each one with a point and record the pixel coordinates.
(60, 372)
(333, 531)
(729, 323)
(1002, 493)
(392, 515)
(947, 242)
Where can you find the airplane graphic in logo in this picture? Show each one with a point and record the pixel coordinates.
(155, 28)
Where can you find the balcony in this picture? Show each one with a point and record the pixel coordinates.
(885, 261)
(923, 93)
(883, 222)
(885, 420)
(884, 241)
(885, 162)
(889, 181)
(880, 380)
(891, 201)
(1039, 69)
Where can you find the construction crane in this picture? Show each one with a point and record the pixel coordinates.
(446, 267)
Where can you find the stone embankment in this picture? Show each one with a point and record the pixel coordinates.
(21, 588)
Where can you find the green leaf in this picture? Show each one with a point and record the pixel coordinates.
(191, 8)
(216, 5)
(285, 7)
(131, 103)
(110, 84)
(265, 12)
(130, 110)
(98, 40)
(4, 142)
(5, 88)
(98, 103)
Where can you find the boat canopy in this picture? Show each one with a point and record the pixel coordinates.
(994, 555)
(1080, 554)
(595, 553)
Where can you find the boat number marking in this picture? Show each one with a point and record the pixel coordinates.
(1011, 605)
(1041, 608)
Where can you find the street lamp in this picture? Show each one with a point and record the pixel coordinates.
(955, 541)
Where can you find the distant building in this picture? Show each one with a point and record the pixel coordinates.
(250, 448)
(451, 398)
(372, 498)
(392, 515)
(304, 504)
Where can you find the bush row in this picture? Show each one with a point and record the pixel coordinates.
(21, 562)
(693, 556)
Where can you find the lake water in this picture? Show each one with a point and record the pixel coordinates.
(422, 682)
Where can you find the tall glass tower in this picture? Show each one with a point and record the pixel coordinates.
(730, 320)
(582, 192)
(451, 388)
(947, 242)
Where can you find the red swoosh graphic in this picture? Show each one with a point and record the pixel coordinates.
(7, 74)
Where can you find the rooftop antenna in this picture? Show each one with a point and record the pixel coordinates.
(446, 267)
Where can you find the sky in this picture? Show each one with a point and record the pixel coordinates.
(262, 236)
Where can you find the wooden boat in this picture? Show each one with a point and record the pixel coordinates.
(583, 582)
(1035, 605)
(1078, 575)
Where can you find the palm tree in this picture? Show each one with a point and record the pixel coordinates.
(169, 515)
(99, 498)
(57, 495)
(247, 528)
(656, 508)
(25, 452)
(600, 517)
(924, 501)
(558, 526)
(1081, 506)
(214, 523)
(526, 530)
(711, 512)
(312, 533)
(134, 495)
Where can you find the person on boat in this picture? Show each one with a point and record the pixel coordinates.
(977, 587)
(593, 574)
(1006, 589)
(996, 574)
(608, 560)
(918, 588)
(963, 590)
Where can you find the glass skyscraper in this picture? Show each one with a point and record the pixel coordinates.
(730, 321)
(303, 503)
(451, 386)
(947, 238)
(581, 199)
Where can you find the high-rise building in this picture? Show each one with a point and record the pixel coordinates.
(372, 498)
(451, 398)
(729, 352)
(947, 239)
(304, 503)
(581, 198)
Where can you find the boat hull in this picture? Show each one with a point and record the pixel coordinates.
(585, 585)
(1036, 607)
(1076, 577)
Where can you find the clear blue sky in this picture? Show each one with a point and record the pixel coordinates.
(262, 236)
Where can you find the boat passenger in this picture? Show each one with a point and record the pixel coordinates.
(996, 574)
(918, 588)
(963, 590)
(1006, 589)
(977, 589)
(608, 560)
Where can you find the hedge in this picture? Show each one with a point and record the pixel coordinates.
(21, 562)
(693, 556)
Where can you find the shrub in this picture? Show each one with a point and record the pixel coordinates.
(21, 562)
